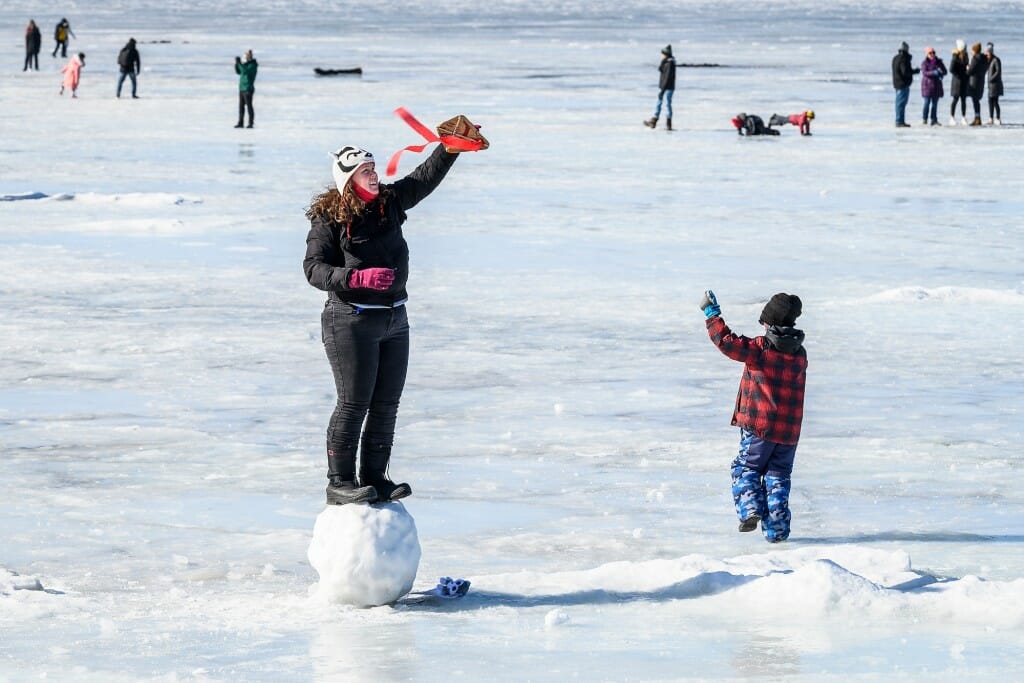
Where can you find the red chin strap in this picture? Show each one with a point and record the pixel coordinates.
(430, 137)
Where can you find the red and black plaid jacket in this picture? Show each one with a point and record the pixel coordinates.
(770, 402)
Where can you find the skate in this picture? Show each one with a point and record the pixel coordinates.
(750, 523)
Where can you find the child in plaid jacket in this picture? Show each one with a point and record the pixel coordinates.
(769, 411)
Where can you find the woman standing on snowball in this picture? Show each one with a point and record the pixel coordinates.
(355, 251)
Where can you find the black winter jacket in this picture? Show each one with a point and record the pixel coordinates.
(958, 69)
(374, 239)
(667, 81)
(995, 77)
(128, 58)
(976, 71)
(902, 70)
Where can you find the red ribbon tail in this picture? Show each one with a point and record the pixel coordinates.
(428, 135)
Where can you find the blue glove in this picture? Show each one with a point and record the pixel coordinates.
(709, 304)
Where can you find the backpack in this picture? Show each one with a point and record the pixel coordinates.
(122, 57)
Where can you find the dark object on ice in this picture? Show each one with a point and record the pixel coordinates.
(345, 492)
(751, 124)
(750, 523)
(700, 66)
(355, 71)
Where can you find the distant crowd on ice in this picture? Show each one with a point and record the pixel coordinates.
(130, 64)
(969, 75)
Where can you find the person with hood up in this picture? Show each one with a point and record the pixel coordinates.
(801, 121)
(902, 78)
(666, 88)
(60, 34)
(769, 410)
(995, 85)
(72, 73)
(356, 252)
(131, 65)
(958, 82)
(747, 125)
(976, 72)
(245, 67)
(932, 73)
(33, 44)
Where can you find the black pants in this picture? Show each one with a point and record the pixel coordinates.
(244, 103)
(61, 45)
(976, 101)
(963, 106)
(31, 61)
(993, 108)
(369, 354)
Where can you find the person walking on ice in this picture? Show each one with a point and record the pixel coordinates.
(801, 121)
(60, 35)
(666, 88)
(769, 410)
(72, 73)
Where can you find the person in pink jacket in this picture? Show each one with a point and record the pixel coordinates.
(72, 71)
(801, 121)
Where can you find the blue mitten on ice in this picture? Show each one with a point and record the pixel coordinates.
(449, 588)
(709, 304)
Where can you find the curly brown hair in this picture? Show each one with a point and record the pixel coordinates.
(340, 207)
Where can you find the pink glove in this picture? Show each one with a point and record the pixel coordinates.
(371, 278)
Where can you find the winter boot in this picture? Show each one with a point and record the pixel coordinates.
(750, 523)
(373, 469)
(668, 123)
(651, 122)
(976, 121)
(341, 475)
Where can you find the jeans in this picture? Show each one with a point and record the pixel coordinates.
(667, 95)
(129, 74)
(368, 351)
(62, 45)
(931, 109)
(902, 97)
(244, 103)
(761, 480)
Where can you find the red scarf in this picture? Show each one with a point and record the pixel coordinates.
(365, 195)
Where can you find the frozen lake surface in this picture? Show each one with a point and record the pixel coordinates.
(164, 392)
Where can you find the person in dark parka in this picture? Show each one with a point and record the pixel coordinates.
(60, 35)
(958, 83)
(131, 64)
(33, 44)
(666, 88)
(976, 72)
(902, 78)
(995, 85)
(356, 252)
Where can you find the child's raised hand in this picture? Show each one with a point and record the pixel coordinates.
(709, 304)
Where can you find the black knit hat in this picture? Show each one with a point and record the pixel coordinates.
(782, 309)
(667, 50)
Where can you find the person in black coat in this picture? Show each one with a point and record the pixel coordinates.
(903, 72)
(995, 85)
(33, 44)
(356, 252)
(976, 72)
(666, 88)
(131, 65)
(958, 82)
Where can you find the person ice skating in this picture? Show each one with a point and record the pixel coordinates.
(131, 65)
(769, 410)
(60, 34)
(995, 85)
(958, 82)
(801, 121)
(903, 72)
(666, 88)
(977, 69)
(33, 44)
(72, 73)
(356, 252)
(932, 73)
(751, 124)
(245, 67)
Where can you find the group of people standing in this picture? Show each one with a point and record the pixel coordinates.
(969, 76)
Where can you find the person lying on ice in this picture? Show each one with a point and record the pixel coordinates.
(801, 120)
(750, 124)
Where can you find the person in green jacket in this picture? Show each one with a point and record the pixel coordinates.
(245, 67)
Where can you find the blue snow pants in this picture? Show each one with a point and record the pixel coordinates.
(761, 479)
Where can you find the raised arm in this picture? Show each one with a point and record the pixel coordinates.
(414, 188)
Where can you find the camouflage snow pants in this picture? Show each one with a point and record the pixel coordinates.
(761, 482)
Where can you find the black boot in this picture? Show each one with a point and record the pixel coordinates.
(373, 469)
(651, 122)
(668, 123)
(341, 475)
